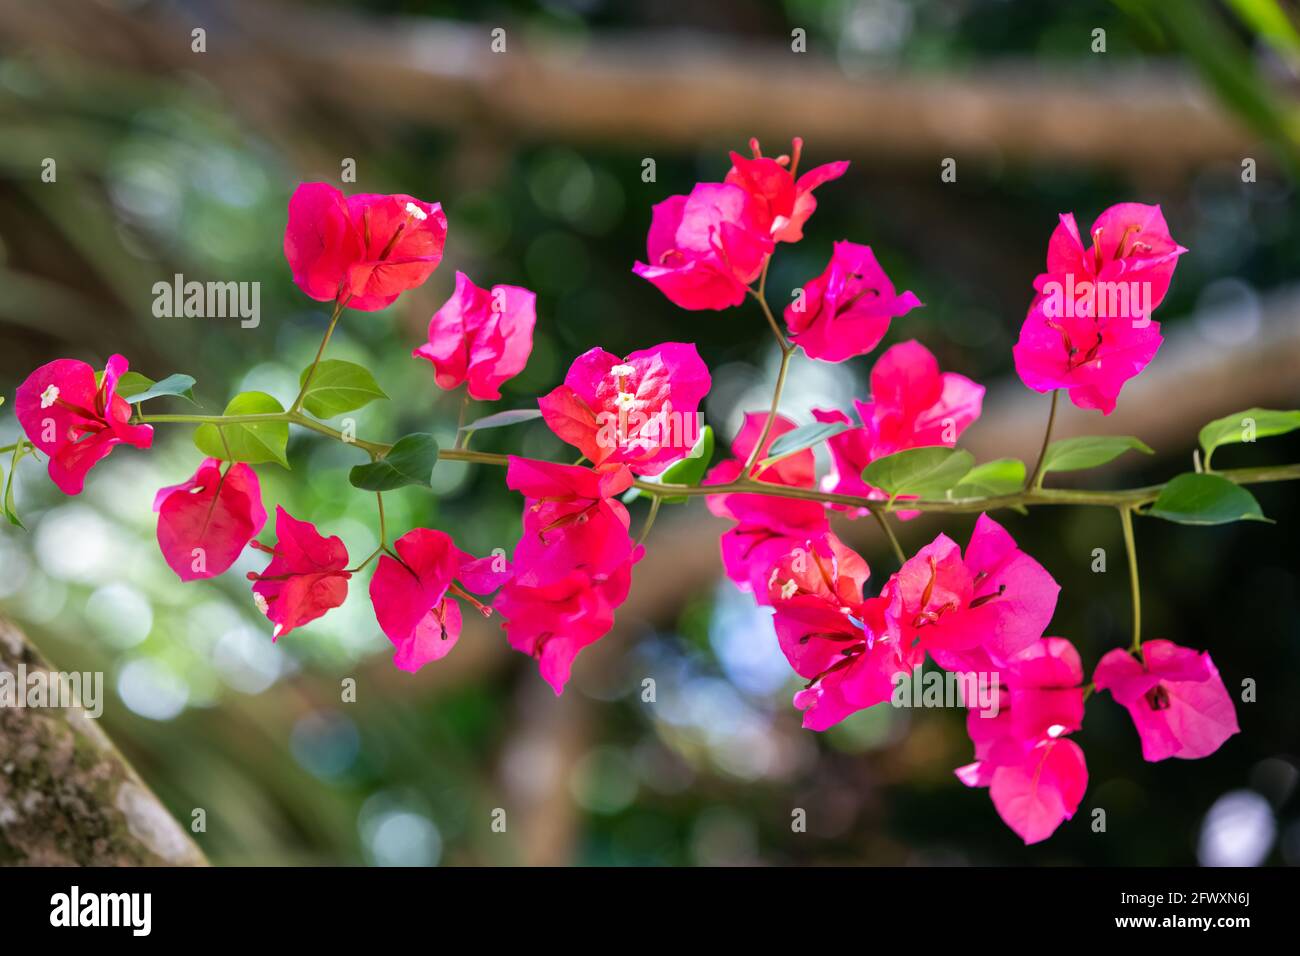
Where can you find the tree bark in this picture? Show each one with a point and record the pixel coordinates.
(67, 797)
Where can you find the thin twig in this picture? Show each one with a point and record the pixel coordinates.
(1036, 480)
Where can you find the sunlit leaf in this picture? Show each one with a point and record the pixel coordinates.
(250, 442)
(1090, 451)
(1003, 476)
(136, 388)
(1205, 499)
(924, 472)
(1246, 426)
(339, 387)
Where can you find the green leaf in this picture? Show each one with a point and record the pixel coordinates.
(1233, 429)
(339, 387)
(1089, 451)
(805, 436)
(1003, 476)
(409, 462)
(501, 419)
(253, 442)
(1205, 499)
(136, 388)
(684, 471)
(10, 511)
(925, 472)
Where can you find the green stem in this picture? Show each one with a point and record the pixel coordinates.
(383, 524)
(650, 520)
(311, 372)
(363, 565)
(375, 449)
(462, 439)
(889, 533)
(1036, 480)
(787, 350)
(1131, 498)
(771, 414)
(1126, 521)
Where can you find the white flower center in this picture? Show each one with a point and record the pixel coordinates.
(625, 400)
(413, 210)
(260, 601)
(49, 396)
(622, 371)
(789, 589)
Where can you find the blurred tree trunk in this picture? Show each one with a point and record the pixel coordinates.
(67, 797)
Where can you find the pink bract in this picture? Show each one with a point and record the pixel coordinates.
(767, 527)
(846, 310)
(912, 405)
(305, 577)
(1036, 777)
(640, 410)
(706, 248)
(75, 420)
(365, 250)
(844, 645)
(555, 622)
(411, 597)
(205, 522)
(480, 336)
(996, 597)
(1089, 329)
(783, 203)
(571, 520)
(1175, 696)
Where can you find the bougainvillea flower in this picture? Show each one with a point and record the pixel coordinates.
(1090, 359)
(783, 203)
(706, 248)
(1130, 244)
(1175, 696)
(1039, 695)
(571, 520)
(1038, 794)
(74, 419)
(413, 599)
(1036, 777)
(480, 336)
(365, 250)
(554, 623)
(320, 242)
(767, 527)
(845, 646)
(640, 410)
(1089, 329)
(912, 405)
(205, 522)
(306, 575)
(995, 597)
(846, 310)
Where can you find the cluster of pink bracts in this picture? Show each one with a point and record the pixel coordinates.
(983, 611)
